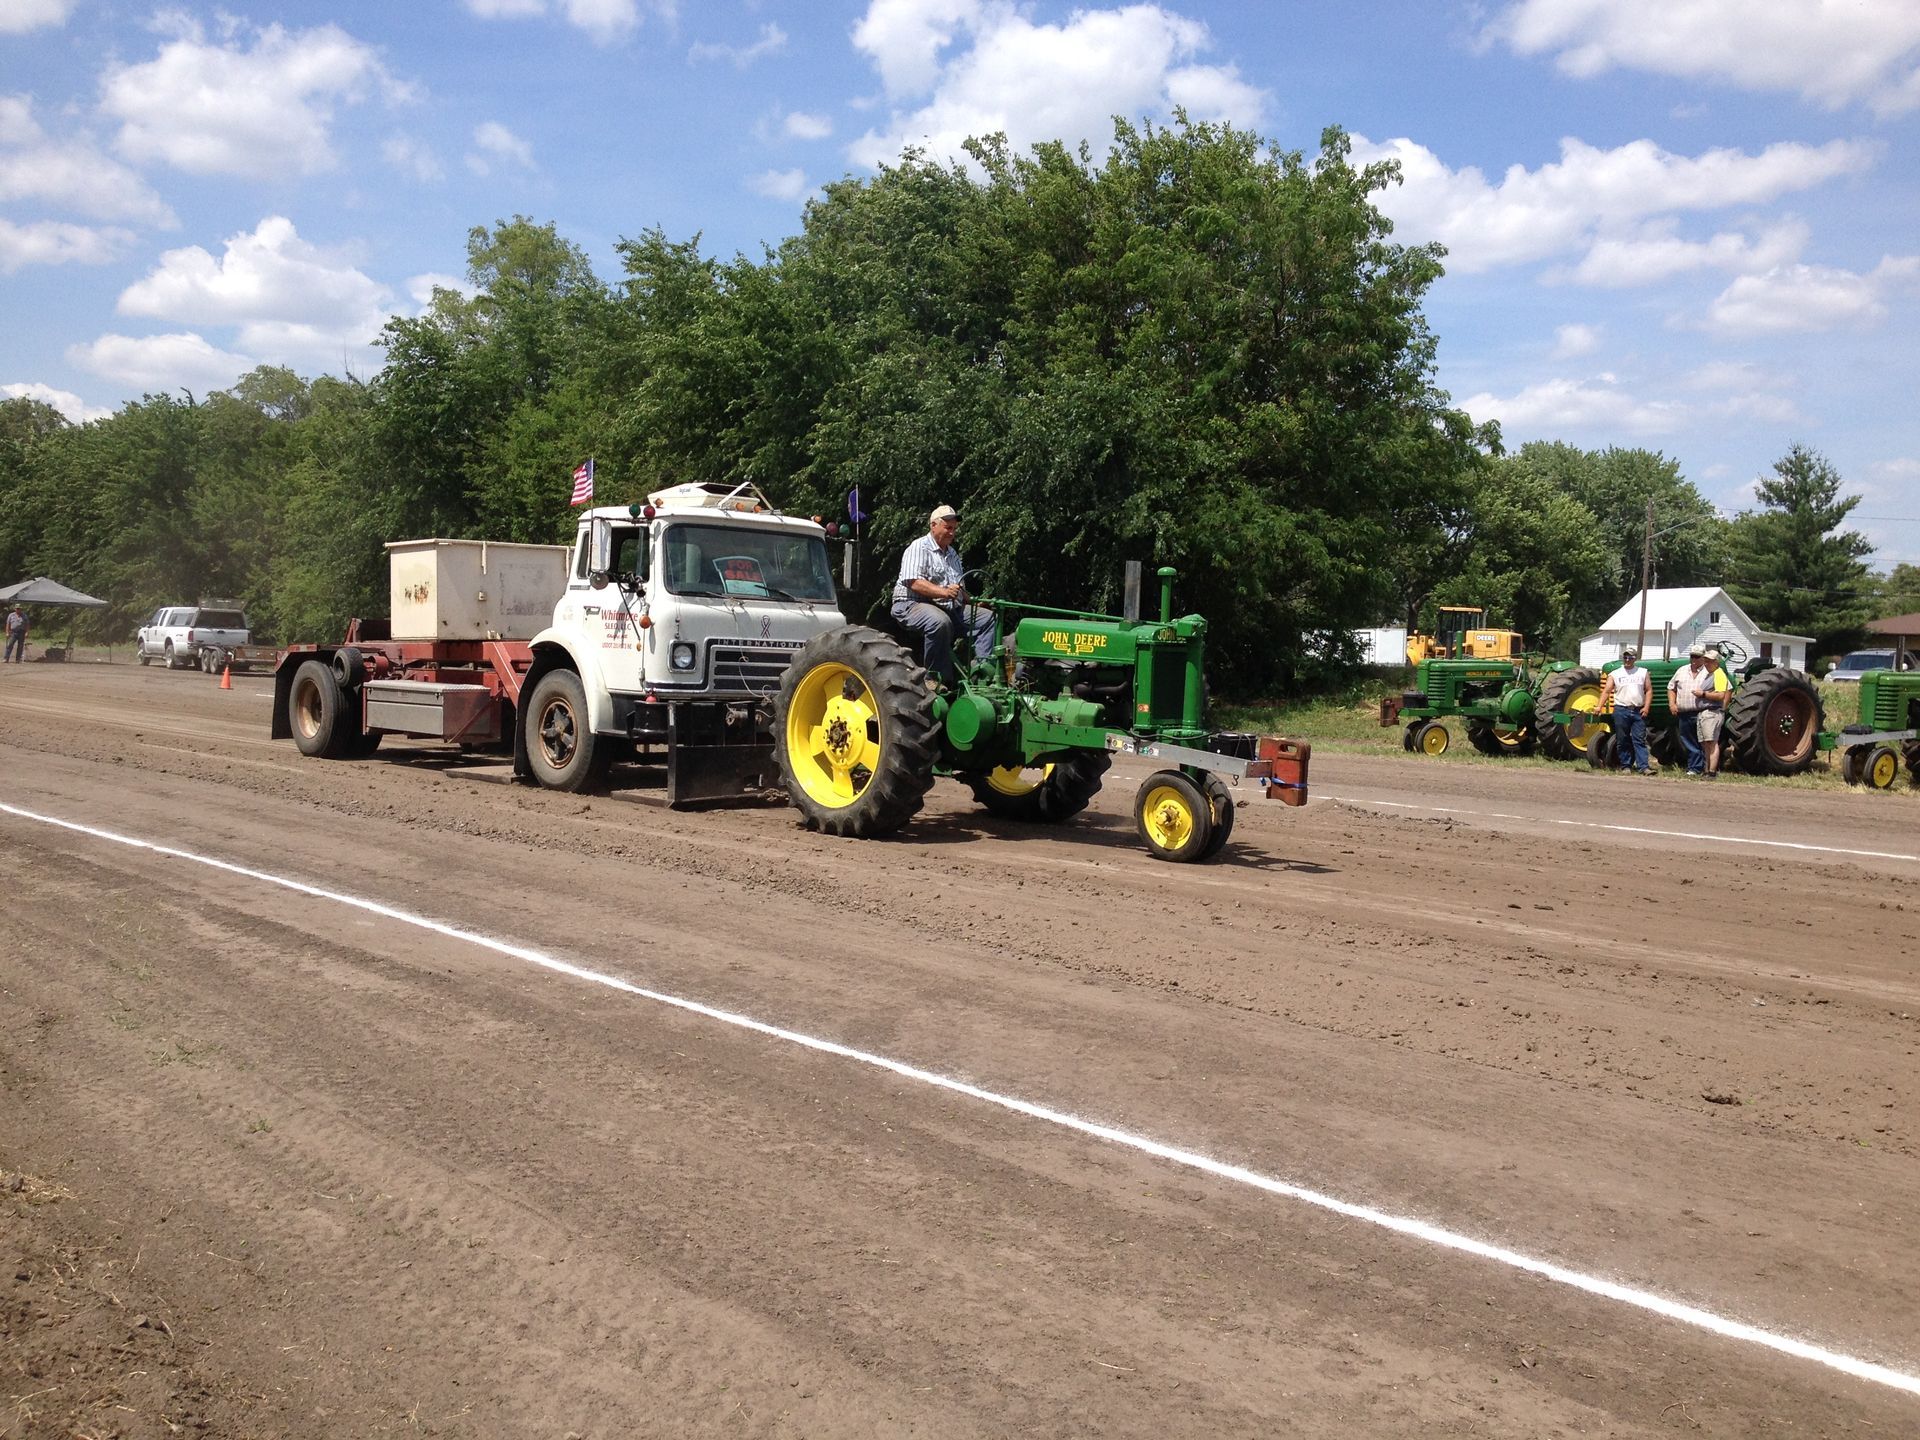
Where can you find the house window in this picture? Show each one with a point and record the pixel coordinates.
(1766, 650)
(1713, 617)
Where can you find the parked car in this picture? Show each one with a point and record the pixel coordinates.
(1854, 664)
(177, 634)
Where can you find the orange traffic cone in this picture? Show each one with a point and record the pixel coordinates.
(226, 677)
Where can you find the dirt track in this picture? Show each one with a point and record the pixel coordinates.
(270, 1165)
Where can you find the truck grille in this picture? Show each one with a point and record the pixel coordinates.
(756, 669)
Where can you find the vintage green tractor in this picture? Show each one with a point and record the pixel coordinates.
(861, 734)
(1773, 721)
(1888, 734)
(1496, 696)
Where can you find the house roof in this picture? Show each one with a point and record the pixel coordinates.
(1672, 607)
(1896, 625)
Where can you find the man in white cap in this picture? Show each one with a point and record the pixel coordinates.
(1686, 707)
(1629, 692)
(1711, 691)
(931, 595)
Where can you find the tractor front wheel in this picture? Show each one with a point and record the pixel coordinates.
(1882, 767)
(1046, 793)
(1174, 817)
(1431, 738)
(853, 731)
(1853, 763)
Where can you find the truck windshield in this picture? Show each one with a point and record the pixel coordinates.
(757, 563)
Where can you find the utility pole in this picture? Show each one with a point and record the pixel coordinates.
(1646, 575)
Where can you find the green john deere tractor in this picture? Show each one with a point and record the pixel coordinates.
(1888, 735)
(861, 734)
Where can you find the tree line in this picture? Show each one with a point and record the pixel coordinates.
(1197, 350)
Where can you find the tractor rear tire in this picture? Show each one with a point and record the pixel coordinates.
(1220, 803)
(318, 712)
(1561, 693)
(1490, 739)
(562, 750)
(1065, 787)
(1910, 752)
(1174, 817)
(1663, 744)
(1773, 721)
(853, 732)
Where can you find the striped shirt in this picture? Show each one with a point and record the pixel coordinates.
(925, 560)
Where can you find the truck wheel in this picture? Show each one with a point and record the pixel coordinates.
(1772, 723)
(1220, 811)
(1174, 817)
(145, 659)
(853, 732)
(561, 747)
(1046, 794)
(317, 712)
(168, 657)
(1566, 692)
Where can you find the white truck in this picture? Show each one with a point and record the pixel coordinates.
(177, 635)
(674, 623)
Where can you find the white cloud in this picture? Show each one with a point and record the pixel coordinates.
(772, 40)
(1553, 408)
(605, 21)
(498, 146)
(779, 184)
(1565, 205)
(1831, 53)
(412, 158)
(420, 288)
(69, 174)
(65, 401)
(1035, 81)
(52, 242)
(219, 109)
(802, 126)
(17, 17)
(1794, 299)
(1657, 254)
(160, 363)
(288, 298)
(1572, 341)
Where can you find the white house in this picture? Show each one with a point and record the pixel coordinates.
(1677, 618)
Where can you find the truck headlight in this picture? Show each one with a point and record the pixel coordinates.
(681, 656)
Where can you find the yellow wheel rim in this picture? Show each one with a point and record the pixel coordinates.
(1433, 740)
(1168, 818)
(1509, 739)
(1584, 700)
(834, 735)
(1015, 780)
(1885, 767)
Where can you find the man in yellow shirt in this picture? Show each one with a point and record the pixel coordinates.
(1710, 693)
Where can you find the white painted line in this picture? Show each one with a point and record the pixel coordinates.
(1399, 1224)
(1627, 829)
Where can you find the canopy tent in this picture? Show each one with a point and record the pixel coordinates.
(42, 591)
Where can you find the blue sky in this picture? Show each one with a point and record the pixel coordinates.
(1689, 225)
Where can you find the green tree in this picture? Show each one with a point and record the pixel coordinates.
(1531, 550)
(1797, 570)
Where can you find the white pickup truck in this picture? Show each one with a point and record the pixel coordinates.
(178, 634)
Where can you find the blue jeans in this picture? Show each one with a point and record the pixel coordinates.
(1690, 742)
(17, 647)
(1629, 737)
(937, 624)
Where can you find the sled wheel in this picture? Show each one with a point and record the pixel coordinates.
(317, 711)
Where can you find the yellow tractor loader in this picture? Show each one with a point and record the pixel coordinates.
(1463, 636)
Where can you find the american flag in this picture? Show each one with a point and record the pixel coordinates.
(582, 484)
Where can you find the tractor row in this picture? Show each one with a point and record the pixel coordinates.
(1517, 703)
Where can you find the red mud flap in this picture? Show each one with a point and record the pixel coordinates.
(1389, 710)
(1281, 766)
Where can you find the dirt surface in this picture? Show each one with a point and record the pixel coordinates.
(271, 1165)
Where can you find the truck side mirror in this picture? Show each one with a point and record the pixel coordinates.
(599, 551)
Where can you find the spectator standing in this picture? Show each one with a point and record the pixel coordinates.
(16, 635)
(1686, 709)
(1629, 692)
(1710, 693)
